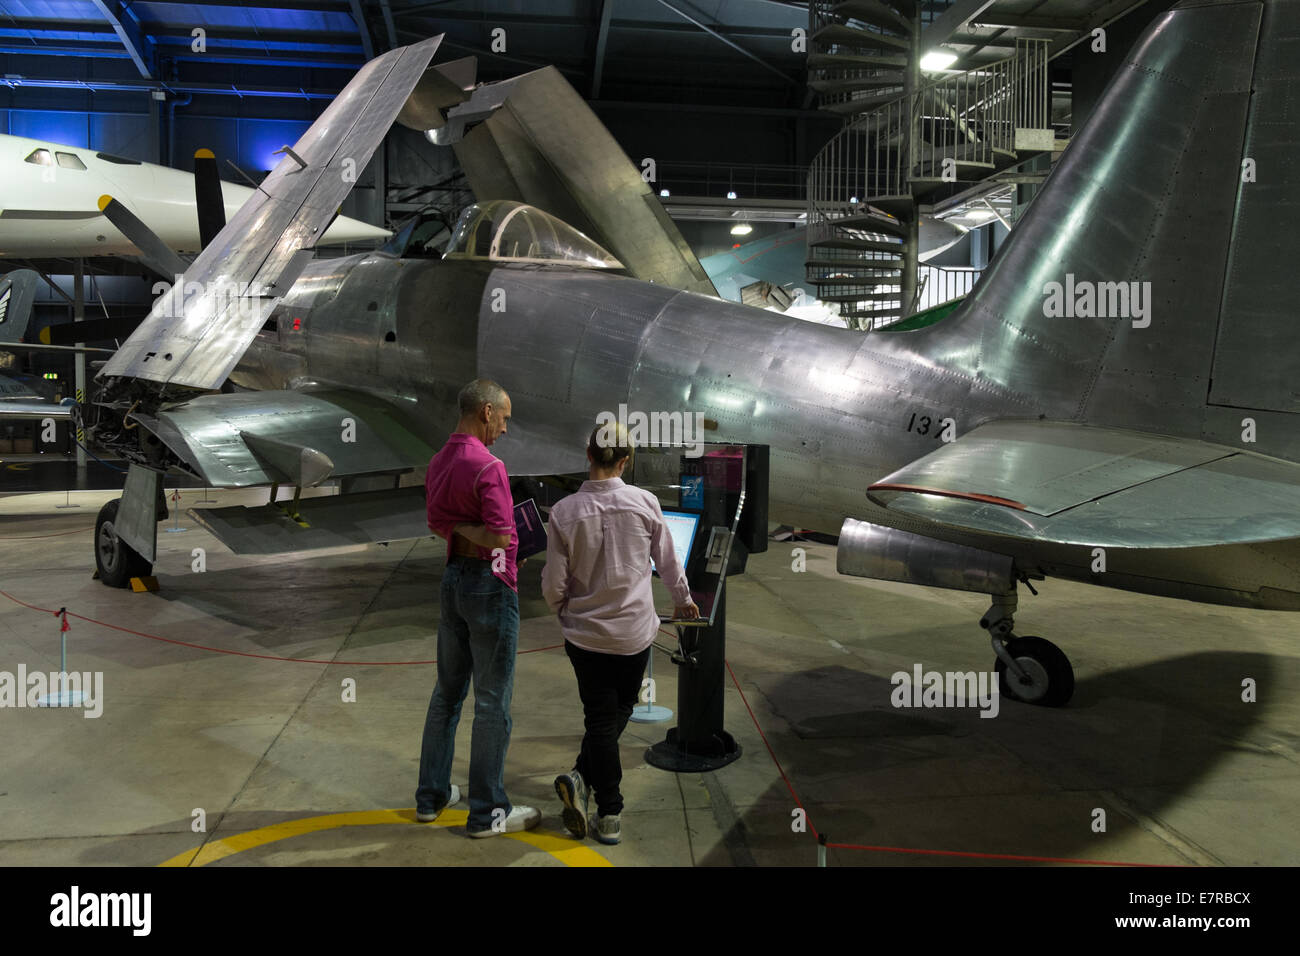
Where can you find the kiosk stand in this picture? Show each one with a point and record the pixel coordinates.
(726, 485)
(651, 713)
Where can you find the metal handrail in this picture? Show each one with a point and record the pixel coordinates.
(967, 117)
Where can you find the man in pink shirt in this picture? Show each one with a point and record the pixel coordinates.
(470, 505)
(597, 578)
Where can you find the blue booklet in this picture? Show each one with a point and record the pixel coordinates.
(529, 528)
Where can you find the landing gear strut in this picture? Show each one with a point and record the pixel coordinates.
(1030, 669)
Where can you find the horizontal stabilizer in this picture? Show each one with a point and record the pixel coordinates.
(327, 521)
(1063, 483)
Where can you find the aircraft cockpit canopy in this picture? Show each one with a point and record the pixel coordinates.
(505, 231)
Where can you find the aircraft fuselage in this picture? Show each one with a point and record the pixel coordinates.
(839, 409)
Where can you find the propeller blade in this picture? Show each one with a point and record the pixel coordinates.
(153, 251)
(207, 196)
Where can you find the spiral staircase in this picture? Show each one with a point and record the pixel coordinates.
(907, 138)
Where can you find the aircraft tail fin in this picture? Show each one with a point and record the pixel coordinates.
(1149, 284)
(545, 147)
(17, 294)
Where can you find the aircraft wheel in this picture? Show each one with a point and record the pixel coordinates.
(1051, 678)
(116, 560)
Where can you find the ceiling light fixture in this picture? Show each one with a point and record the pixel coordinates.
(937, 60)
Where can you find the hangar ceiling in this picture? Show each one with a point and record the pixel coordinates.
(715, 89)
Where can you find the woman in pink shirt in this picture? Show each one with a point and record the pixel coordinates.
(597, 579)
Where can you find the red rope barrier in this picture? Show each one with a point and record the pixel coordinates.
(222, 650)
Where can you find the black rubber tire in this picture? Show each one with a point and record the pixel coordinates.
(1053, 663)
(116, 560)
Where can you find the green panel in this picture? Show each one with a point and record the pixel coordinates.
(923, 319)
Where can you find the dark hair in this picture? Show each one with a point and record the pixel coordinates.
(609, 444)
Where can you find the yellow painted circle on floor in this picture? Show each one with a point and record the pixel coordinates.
(567, 850)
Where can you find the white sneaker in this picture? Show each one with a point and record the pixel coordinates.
(519, 818)
(573, 793)
(433, 815)
(607, 830)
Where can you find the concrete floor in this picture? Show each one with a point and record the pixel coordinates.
(1157, 735)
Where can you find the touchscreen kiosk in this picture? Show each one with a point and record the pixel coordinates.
(682, 525)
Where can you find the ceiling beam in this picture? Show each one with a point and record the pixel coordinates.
(277, 41)
(720, 108)
(950, 21)
(138, 44)
(507, 17)
(484, 52)
(389, 28)
(602, 35)
(314, 6)
(1103, 17)
(359, 19)
(127, 86)
(1028, 22)
(728, 41)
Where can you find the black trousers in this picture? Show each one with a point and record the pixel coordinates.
(609, 685)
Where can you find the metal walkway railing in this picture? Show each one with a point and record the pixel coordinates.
(898, 146)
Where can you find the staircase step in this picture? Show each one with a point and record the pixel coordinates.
(845, 60)
(842, 35)
(850, 270)
(965, 152)
(871, 124)
(895, 249)
(900, 206)
(854, 266)
(863, 104)
(860, 297)
(870, 223)
(846, 85)
(964, 171)
(874, 12)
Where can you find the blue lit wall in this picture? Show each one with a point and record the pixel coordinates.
(249, 143)
(69, 129)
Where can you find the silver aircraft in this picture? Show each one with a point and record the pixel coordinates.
(1115, 402)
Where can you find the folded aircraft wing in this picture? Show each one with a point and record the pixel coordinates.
(1016, 482)
(288, 437)
(538, 142)
(301, 439)
(195, 336)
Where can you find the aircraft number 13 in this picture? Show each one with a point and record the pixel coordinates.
(944, 429)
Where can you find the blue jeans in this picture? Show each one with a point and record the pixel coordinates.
(478, 636)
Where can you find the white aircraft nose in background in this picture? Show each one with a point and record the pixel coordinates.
(49, 203)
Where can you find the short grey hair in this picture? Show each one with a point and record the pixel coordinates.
(480, 392)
